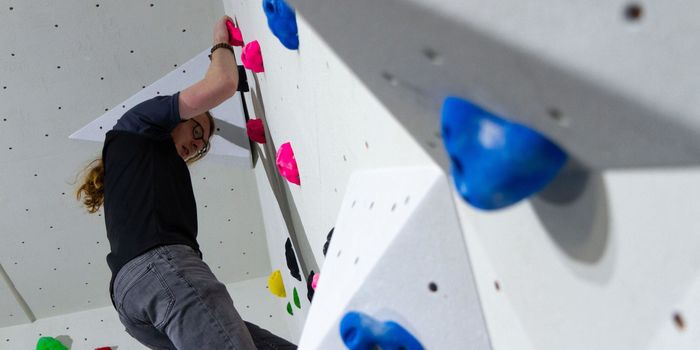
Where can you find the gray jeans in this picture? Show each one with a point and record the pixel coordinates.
(168, 298)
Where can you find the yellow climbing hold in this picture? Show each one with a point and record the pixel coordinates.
(276, 285)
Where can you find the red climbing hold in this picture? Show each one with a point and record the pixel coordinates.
(256, 130)
(287, 165)
(235, 38)
(252, 57)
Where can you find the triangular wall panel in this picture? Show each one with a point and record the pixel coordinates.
(230, 141)
(398, 234)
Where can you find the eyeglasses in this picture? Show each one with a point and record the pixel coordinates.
(198, 134)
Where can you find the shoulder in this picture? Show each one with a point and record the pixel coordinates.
(155, 116)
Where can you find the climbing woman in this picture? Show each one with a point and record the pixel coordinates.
(164, 293)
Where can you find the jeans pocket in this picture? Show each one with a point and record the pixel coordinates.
(148, 299)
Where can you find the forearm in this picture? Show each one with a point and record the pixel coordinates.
(223, 68)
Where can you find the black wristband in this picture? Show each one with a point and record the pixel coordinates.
(220, 45)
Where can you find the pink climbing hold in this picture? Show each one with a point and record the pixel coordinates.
(235, 38)
(314, 283)
(287, 165)
(256, 130)
(252, 57)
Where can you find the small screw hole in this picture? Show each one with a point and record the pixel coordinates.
(633, 12)
(557, 116)
(678, 321)
(433, 56)
(433, 287)
(390, 78)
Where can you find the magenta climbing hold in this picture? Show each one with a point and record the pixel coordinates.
(256, 130)
(287, 165)
(252, 57)
(235, 38)
(315, 281)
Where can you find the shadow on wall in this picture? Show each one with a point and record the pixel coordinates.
(280, 187)
(232, 133)
(574, 211)
(66, 340)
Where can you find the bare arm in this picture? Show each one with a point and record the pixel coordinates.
(220, 82)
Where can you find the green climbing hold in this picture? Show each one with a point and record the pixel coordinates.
(49, 343)
(289, 308)
(296, 298)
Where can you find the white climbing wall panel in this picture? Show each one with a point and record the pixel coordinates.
(335, 126)
(230, 141)
(613, 266)
(94, 56)
(277, 233)
(605, 258)
(565, 68)
(398, 254)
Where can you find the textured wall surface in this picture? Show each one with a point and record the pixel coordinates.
(335, 126)
(87, 330)
(606, 257)
(61, 66)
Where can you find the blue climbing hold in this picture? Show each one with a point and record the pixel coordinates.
(282, 22)
(495, 162)
(362, 332)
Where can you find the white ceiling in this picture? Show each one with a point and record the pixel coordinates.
(52, 251)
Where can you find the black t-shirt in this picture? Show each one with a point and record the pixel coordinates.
(148, 197)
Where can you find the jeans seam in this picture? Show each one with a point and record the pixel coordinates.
(136, 263)
(161, 280)
(130, 285)
(165, 286)
(201, 301)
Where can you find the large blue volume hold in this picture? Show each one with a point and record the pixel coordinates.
(282, 22)
(362, 332)
(495, 162)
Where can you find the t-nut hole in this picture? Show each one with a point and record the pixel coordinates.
(679, 321)
(633, 12)
(433, 56)
(556, 115)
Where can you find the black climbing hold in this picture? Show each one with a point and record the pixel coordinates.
(242, 80)
(328, 241)
(309, 289)
(291, 260)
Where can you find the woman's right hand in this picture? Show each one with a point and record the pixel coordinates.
(220, 31)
